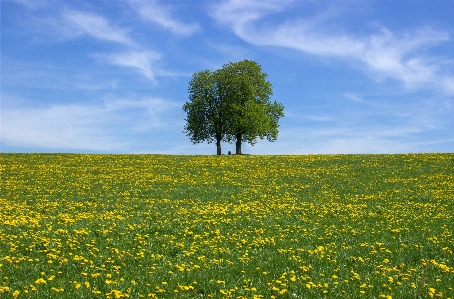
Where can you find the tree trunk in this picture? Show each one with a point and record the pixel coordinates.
(238, 144)
(218, 145)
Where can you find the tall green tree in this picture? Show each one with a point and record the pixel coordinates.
(246, 93)
(232, 103)
(205, 119)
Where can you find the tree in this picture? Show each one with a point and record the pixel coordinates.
(246, 98)
(232, 103)
(205, 119)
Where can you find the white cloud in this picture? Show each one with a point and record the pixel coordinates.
(94, 127)
(162, 16)
(66, 127)
(239, 13)
(96, 26)
(448, 84)
(153, 107)
(348, 140)
(370, 127)
(387, 54)
(141, 61)
(394, 55)
(354, 97)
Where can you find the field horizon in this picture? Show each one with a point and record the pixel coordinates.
(225, 154)
(208, 226)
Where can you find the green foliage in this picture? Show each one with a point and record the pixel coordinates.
(232, 103)
(204, 119)
(248, 93)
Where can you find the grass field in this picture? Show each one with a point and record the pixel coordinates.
(137, 226)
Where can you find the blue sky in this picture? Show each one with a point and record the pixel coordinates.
(112, 76)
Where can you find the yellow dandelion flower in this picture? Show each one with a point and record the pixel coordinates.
(40, 281)
(283, 291)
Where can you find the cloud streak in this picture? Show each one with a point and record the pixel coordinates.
(386, 54)
(162, 16)
(96, 26)
(101, 29)
(141, 61)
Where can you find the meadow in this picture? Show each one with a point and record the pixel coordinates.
(157, 226)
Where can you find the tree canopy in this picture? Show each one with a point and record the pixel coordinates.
(205, 118)
(232, 103)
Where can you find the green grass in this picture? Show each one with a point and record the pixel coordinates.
(317, 226)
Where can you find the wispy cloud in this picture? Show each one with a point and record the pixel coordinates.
(153, 12)
(352, 139)
(65, 23)
(100, 28)
(394, 55)
(92, 127)
(354, 97)
(140, 61)
(154, 108)
(385, 126)
(239, 14)
(66, 127)
(96, 26)
(384, 53)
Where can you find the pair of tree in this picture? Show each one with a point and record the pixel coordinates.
(232, 103)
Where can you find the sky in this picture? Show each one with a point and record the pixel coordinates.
(106, 76)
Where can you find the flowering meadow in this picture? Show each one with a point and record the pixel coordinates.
(157, 226)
